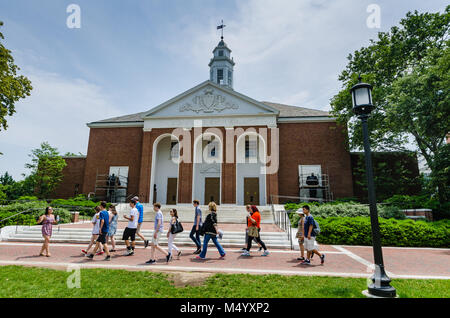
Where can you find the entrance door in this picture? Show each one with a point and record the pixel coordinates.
(251, 191)
(212, 190)
(172, 185)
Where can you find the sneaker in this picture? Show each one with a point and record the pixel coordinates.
(107, 258)
(306, 262)
(84, 252)
(100, 253)
(243, 249)
(198, 257)
(179, 253)
(266, 253)
(152, 261)
(90, 256)
(168, 257)
(198, 251)
(300, 259)
(260, 249)
(222, 256)
(246, 253)
(113, 250)
(129, 253)
(146, 243)
(322, 259)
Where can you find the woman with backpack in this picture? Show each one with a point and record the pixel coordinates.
(211, 231)
(171, 236)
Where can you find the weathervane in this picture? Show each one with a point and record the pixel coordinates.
(221, 27)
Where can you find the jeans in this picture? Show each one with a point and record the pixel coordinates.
(170, 243)
(216, 243)
(257, 240)
(196, 238)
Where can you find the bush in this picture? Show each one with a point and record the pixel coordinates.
(79, 203)
(351, 209)
(357, 231)
(34, 210)
(440, 210)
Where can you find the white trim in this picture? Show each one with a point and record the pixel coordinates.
(198, 139)
(115, 125)
(306, 119)
(154, 157)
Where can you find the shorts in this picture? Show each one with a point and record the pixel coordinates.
(102, 238)
(155, 241)
(310, 244)
(129, 234)
(138, 230)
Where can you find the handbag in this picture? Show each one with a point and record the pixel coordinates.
(253, 231)
(176, 228)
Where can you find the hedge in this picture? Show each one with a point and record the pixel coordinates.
(34, 210)
(357, 231)
(344, 210)
(79, 204)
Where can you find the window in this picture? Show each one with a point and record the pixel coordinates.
(212, 149)
(229, 78)
(174, 150)
(219, 76)
(250, 148)
(220, 53)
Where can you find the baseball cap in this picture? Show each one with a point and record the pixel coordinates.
(136, 198)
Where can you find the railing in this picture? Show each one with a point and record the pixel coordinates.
(281, 218)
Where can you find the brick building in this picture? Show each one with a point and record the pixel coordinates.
(213, 143)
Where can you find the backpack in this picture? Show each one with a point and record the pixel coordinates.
(316, 227)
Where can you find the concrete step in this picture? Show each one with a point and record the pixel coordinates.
(272, 240)
(226, 214)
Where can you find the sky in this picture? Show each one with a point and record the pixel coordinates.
(131, 56)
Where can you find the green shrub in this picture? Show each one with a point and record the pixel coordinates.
(80, 204)
(357, 231)
(350, 209)
(33, 209)
(440, 210)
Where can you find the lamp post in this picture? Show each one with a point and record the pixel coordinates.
(362, 107)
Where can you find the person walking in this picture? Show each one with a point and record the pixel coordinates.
(211, 232)
(158, 230)
(195, 232)
(103, 232)
(112, 227)
(249, 210)
(171, 236)
(130, 231)
(95, 229)
(47, 220)
(254, 229)
(140, 209)
(310, 238)
(300, 234)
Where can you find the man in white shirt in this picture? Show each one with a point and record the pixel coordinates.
(158, 230)
(130, 230)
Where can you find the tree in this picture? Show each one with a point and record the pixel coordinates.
(46, 169)
(409, 69)
(6, 179)
(13, 87)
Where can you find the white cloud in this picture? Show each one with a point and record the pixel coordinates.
(57, 111)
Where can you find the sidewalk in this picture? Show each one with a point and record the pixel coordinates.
(344, 261)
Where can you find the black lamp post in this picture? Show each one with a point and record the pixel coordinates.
(362, 107)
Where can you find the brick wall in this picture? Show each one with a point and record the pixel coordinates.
(113, 147)
(314, 144)
(73, 175)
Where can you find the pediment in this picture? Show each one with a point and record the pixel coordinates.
(208, 100)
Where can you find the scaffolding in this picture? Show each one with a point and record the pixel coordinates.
(111, 188)
(315, 188)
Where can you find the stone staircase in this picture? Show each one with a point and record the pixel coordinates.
(61, 234)
(225, 214)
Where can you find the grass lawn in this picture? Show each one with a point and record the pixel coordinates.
(17, 281)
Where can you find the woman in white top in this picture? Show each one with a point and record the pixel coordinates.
(95, 230)
(170, 236)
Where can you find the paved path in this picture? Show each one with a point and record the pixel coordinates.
(344, 261)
